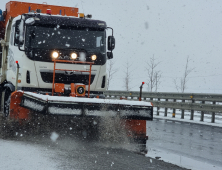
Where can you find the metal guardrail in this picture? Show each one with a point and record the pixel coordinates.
(203, 102)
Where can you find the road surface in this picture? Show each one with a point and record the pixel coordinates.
(195, 141)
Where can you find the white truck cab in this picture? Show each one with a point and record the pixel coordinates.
(35, 40)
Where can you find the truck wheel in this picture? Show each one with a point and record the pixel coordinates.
(7, 99)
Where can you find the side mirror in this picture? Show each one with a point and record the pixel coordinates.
(21, 28)
(19, 31)
(110, 55)
(111, 43)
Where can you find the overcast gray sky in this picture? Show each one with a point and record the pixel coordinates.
(170, 30)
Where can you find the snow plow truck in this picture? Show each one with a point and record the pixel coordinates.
(53, 62)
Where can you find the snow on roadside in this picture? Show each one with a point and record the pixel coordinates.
(17, 155)
(207, 118)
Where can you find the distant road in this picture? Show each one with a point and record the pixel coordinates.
(200, 142)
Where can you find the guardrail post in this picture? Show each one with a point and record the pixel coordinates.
(157, 112)
(192, 112)
(182, 111)
(174, 110)
(202, 113)
(213, 115)
(165, 114)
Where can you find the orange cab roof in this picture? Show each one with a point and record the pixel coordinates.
(15, 8)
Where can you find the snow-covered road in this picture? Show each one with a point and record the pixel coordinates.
(189, 145)
(16, 155)
(63, 149)
(69, 153)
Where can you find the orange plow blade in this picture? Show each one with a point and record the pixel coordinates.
(133, 114)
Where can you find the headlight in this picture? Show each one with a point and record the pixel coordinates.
(55, 54)
(93, 57)
(74, 56)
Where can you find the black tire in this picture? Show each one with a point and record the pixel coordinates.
(7, 99)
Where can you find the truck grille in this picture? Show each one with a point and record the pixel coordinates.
(47, 77)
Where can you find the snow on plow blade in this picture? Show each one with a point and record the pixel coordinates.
(75, 106)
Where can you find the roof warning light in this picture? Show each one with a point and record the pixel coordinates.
(49, 11)
(81, 15)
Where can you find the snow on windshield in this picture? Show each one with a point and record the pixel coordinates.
(57, 37)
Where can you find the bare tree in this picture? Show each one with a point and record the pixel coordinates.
(110, 71)
(157, 76)
(154, 75)
(127, 76)
(182, 86)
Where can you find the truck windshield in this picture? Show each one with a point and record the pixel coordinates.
(65, 38)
